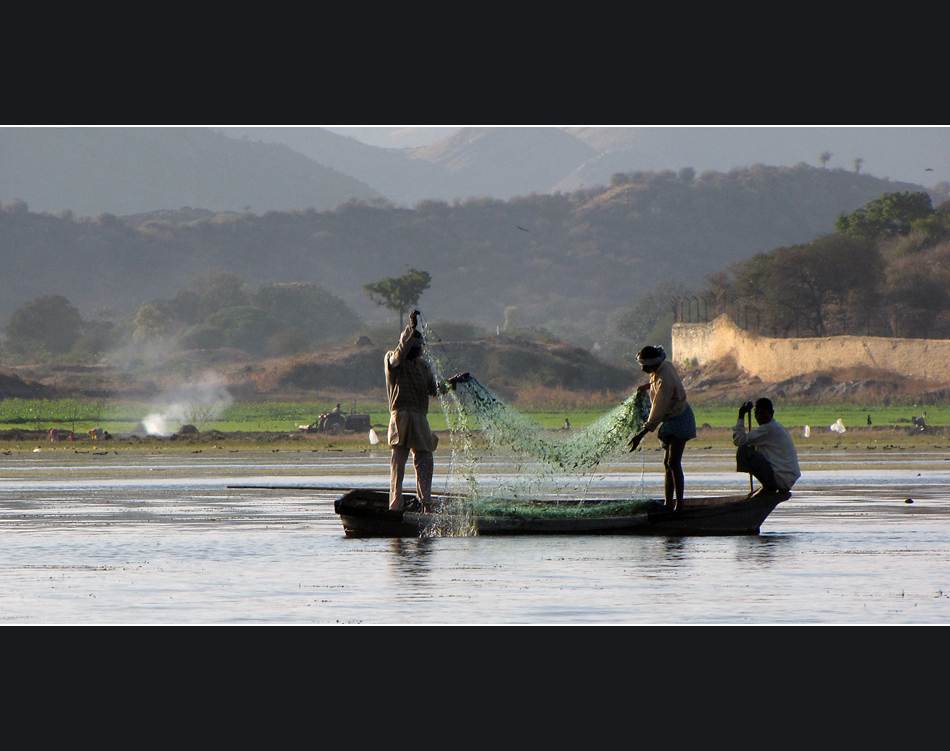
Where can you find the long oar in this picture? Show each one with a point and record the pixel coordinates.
(328, 488)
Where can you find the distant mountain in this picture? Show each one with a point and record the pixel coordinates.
(507, 162)
(409, 137)
(503, 162)
(389, 172)
(471, 162)
(914, 155)
(125, 170)
(132, 170)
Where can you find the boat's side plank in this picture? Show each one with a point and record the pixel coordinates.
(365, 513)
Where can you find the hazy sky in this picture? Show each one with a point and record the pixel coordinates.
(395, 136)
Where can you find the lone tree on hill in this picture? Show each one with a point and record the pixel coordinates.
(400, 293)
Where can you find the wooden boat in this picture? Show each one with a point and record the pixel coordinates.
(365, 513)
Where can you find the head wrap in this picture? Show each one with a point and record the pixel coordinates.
(650, 356)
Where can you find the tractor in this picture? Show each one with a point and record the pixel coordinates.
(335, 422)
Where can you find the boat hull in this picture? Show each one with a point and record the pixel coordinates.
(365, 513)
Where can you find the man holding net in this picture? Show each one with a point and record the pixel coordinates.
(409, 384)
(671, 413)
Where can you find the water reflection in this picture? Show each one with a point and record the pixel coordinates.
(674, 549)
(412, 558)
(763, 549)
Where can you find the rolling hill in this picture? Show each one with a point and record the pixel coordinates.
(121, 171)
(563, 262)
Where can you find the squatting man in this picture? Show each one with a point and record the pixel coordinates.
(765, 452)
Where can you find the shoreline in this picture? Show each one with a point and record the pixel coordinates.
(20, 441)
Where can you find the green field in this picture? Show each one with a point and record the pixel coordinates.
(80, 416)
(823, 416)
(264, 416)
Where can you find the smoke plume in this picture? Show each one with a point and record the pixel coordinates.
(194, 403)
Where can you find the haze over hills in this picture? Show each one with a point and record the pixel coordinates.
(471, 162)
(917, 155)
(134, 170)
(394, 174)
(402, 137)
(914, 155)
(131, 170)
(564, 262)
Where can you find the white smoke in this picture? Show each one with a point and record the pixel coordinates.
(194, 403)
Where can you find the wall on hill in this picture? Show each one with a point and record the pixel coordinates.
(779, 359)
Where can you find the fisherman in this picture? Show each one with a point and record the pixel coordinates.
(765, 452)
(671, 413)
(409, 384)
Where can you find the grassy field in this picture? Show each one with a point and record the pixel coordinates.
(43, 414)
(823, 416)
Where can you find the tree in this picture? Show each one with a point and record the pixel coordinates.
(811, 285)
(217, 290)
(890, 215)
(918, 292)
(313, 313)
(46, 324)
(244, 327)
(824, 157)
(399, 294)
(153, 322)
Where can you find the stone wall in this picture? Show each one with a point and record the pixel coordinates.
(777, 359)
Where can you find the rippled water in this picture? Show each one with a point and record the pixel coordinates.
(163, 539)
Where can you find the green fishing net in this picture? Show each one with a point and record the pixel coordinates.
(505, 465)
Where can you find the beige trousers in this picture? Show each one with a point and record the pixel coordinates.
(423, 462)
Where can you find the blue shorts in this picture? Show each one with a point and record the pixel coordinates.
(681, 428)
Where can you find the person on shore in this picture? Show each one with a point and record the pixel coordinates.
(671, 413)
(409, 384)
(765, 452)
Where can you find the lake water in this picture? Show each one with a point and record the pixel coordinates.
(135, 538)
